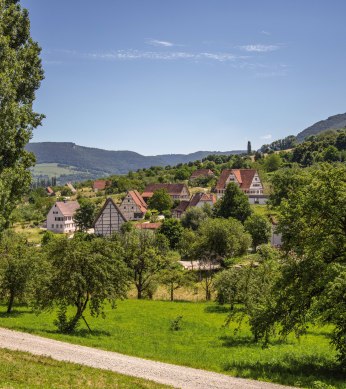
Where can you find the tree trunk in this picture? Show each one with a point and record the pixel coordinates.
(10, 303)
(172, 293)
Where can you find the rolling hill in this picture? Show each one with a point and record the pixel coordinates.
(86, 162)
(333, 122)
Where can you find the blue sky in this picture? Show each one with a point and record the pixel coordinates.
(156, 76)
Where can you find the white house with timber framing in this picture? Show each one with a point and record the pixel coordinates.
(109, 220)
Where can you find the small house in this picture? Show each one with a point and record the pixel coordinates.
(176, 191)
(109, 220)
(133, 206)
(60, 217)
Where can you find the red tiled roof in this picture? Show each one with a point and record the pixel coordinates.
(148, 226)
(138, 199)
(204, 197)
(201, 173)
(100, 184)
(68, 208)
(243, 176)
(172, 189)
(49, 190)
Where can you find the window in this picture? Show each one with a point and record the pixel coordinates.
(52, 225)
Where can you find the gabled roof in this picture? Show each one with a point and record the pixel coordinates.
(138, 199)
(49, 190)
(109, 200)
(182, 207)
(204, 197)
(67, 208)
(172, 189)
(100, 184)
(202, 173)
(71, 187)
(243, 176)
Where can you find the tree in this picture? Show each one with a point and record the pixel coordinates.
(160, 200)
(259, 228)
(312, 281)
(83, 273)
(172, 230)
(84, 216)
(146, 255)
(193, 217)
(175, 277)
(17, 265)
(234, 204)
(217, 240)
(272, 162)
(21, 74)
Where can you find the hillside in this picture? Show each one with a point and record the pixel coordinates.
(333, 122)
(89, 162)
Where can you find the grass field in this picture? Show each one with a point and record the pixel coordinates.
(23, 370)
(143, 328)
(51, 170)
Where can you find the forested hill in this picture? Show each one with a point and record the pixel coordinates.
(333, 122)
(105, 161)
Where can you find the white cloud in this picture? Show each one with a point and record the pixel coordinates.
(166, 55)
(266, 137)
(265, 32)
(259, 48)
(155, 42)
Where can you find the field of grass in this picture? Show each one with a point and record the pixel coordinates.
(32, 234)
(143, 328)
(51, 170)
(23, 370)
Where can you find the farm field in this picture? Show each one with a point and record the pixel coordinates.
(144, 329)
(23, 370)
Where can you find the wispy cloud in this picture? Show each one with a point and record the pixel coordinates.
(166, 55)
(266, 137)
(258, 48)
(156, 42)
(265, 32)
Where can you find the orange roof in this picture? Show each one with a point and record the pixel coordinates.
(68, 208)
(49, 190)
(138, 199)
(202, 173)
(148, 226)
(100, 184)
(243, 176)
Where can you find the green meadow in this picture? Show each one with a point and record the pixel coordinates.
(23, 370)
(144, 328)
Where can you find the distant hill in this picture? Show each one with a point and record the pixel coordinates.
(333, 122)
(93, 163)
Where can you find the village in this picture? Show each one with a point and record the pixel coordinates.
(134, 206)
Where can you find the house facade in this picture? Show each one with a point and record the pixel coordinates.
(176, 191)
(109, 220)
(100, 185)
(133, 207)
(247, 180)
(60, 217)
(197, 200)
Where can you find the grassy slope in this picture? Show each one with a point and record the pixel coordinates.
(23, 370)
(142, 328)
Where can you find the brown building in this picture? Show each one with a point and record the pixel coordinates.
(109, 220)
(176, 191)
(247, 179)
(205, 173)
(197, 200)
(100, 185)
(133, 207)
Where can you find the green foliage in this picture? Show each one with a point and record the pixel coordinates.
(272, 162)
(172, 229)
(20, 74)
(234, 203)
(17, 267)
(146, 255)
(311, 286)
(193, 217)
(176, 323)
(259, 228)
(160, 200)
(81, 273)
(85, 215)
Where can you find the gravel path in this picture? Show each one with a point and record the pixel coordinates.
(164, 373)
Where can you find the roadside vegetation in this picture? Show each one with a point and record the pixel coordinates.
(23, 370)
